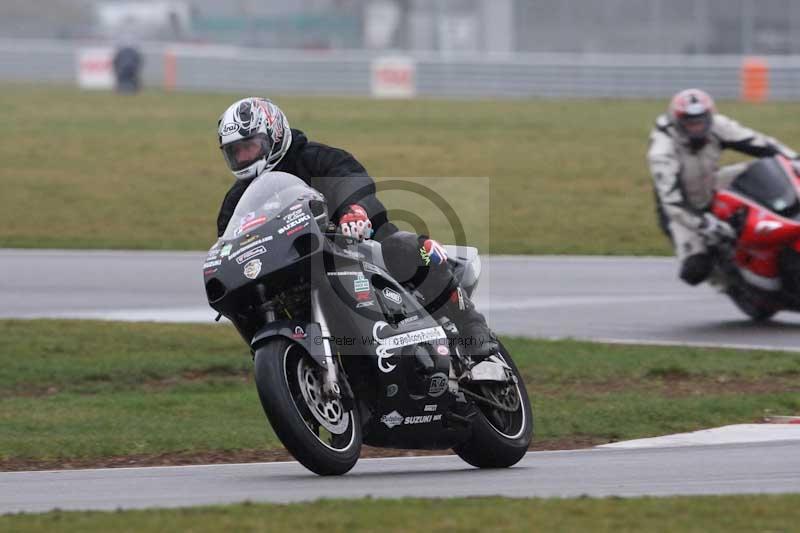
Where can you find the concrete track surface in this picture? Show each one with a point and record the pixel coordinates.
(620, 299)
(723, 469)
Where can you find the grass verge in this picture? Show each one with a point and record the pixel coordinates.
(684, 514)
(88, 393)
(144, 171)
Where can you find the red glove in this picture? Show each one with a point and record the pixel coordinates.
(433, 252)
(355, 223)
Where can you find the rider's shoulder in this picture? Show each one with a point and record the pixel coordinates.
(722, 123)
(663, 126)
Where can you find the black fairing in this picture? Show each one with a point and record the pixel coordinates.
(388, 381)
(766, 182)
(277, 250)
(394, 355)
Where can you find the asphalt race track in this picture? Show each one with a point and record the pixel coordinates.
(620, 299)
(726, 469)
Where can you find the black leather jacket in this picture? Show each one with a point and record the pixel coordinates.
(332, 171)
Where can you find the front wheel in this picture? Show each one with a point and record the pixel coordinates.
(317, 431)
(500, 438)
(756, 310)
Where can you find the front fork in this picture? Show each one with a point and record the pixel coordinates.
(330, 387)
(330, 374)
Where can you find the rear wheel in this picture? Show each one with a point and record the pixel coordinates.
(500, 437)
(317, 431)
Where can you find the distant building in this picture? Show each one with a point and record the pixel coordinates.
(475, 26)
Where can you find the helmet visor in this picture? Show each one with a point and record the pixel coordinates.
(244, 152)
(696, 126)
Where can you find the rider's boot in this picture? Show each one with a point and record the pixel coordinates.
(477, 340)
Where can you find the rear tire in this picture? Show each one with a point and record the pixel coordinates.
(491, 446)
(320, 434)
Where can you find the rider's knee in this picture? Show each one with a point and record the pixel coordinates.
(696, 268)
(401, 255)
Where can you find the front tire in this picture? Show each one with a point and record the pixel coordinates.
(748, 305)
(500, 439)
(319, 433)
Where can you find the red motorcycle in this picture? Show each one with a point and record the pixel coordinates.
(760, 271)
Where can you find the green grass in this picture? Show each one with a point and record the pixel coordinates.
(89, 169)
(89, 390)
(682, 514)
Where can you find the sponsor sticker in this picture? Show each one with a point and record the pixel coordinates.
(247, 224)
(295, 230)
(392, 295)
(361, 284)
(226, 250)
(424, 419)
(361, 287)
(442, 350)
(252, 269)
(210, 264)
(230, 127)
(408, 320)
(247, 240)
(392, 419)
(391, 390)
(255, 252)
(243, 249)
(294, 219)
(386, 344)
(293, 215)
(213, 252)
(430, 408)
(438, 385)
(367, 303)
(299, 333)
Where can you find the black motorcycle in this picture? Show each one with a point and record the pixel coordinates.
(344, 354)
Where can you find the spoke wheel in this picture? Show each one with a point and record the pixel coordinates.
(510, 420)
(500, 436)
(325, 418)
(318, 431)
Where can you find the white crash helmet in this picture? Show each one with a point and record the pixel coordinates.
(254, 136)
(691, 111)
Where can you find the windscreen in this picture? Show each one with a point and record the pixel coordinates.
(268, 195)
(766, 182)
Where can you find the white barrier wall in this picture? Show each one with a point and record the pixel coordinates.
(232, 69)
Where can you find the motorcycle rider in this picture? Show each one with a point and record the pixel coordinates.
(254, 137)
(685, 148)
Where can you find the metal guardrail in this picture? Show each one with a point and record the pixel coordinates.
(233, 69)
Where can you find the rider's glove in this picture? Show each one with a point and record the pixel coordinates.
(715, 231)
(433, 252)
(355, 223)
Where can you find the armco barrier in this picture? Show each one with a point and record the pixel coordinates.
(241, 70)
